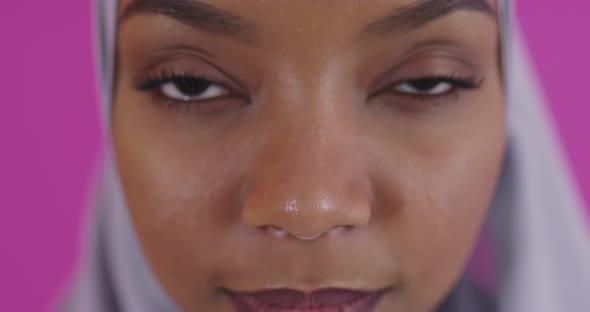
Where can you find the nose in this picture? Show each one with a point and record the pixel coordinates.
(306, 182)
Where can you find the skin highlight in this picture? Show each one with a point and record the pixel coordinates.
(313, 167)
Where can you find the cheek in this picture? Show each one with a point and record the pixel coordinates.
(442, 190)
(170, 166)
(177, 191)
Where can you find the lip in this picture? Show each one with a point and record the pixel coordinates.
(323, 300)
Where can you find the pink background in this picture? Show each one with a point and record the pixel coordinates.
(49, 136)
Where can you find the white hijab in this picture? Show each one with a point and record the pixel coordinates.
(539, 241)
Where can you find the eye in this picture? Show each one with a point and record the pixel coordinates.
(189, 89)
(431, 86)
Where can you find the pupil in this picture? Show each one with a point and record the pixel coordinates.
(192, 86)
(425, 84)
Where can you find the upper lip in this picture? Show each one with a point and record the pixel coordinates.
(288, 299)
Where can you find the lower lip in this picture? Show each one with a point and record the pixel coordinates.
(365, 302)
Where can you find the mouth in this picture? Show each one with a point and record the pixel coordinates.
(323, 300)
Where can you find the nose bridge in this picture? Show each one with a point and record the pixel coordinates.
(309, 177)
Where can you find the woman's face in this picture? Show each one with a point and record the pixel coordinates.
(306, 145)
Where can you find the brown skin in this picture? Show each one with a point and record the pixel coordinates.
(395, 185)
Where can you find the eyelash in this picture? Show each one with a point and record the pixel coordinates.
(458, 83)
(152, 82)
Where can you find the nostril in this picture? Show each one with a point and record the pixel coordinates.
(337, 230)
(274, 230)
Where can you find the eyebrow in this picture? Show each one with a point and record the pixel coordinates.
(422, 13)
(197, 14)
(204, 16)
